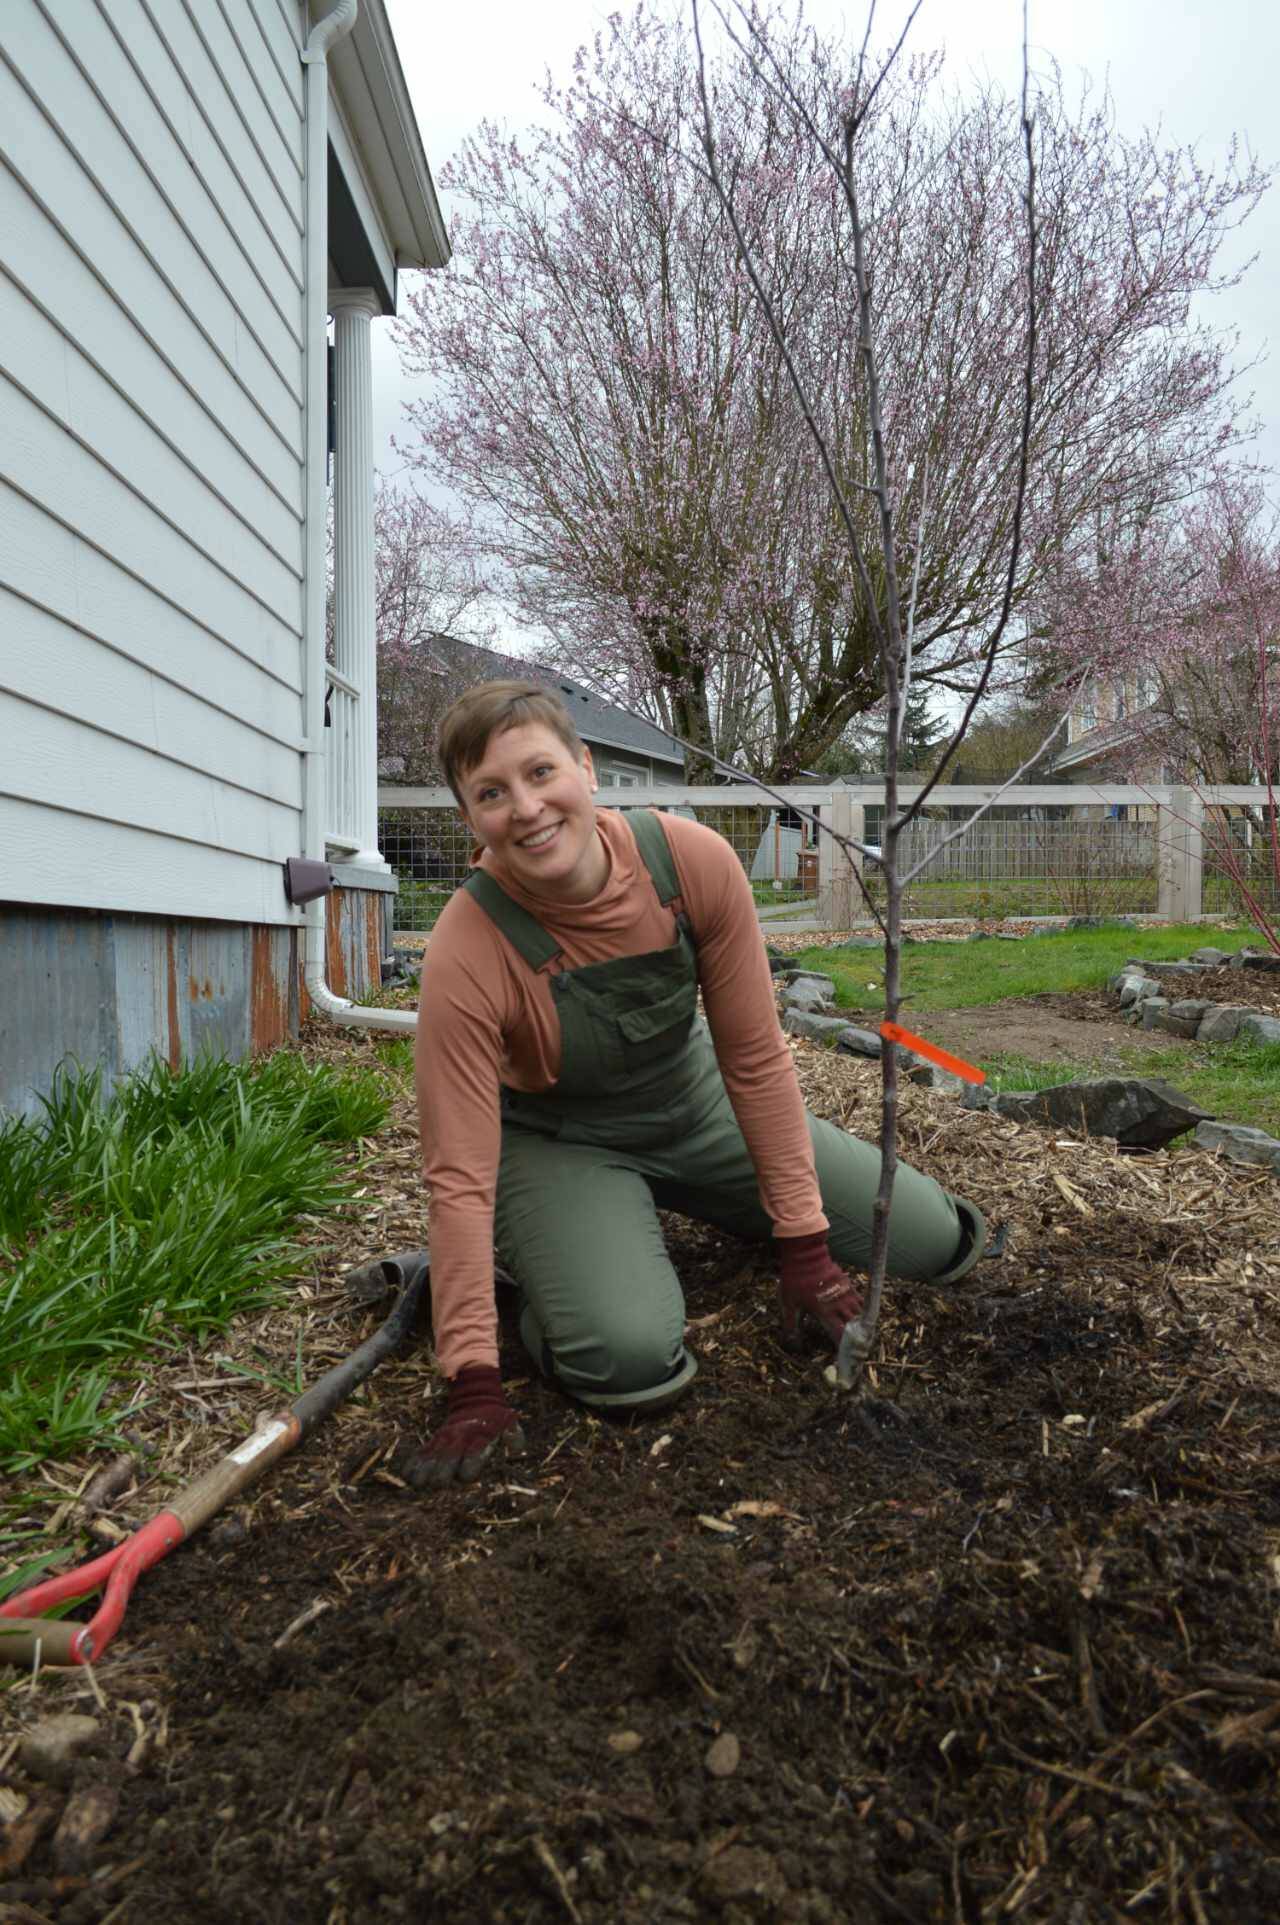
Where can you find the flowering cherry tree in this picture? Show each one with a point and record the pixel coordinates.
(1181, 613)
(426, 583)
(609, 403)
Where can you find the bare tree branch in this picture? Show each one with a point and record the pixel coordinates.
(775, 327)
(1024, 448)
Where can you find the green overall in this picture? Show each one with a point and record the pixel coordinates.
(639, 1120)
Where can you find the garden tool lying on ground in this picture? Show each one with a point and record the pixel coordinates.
(26, 1636)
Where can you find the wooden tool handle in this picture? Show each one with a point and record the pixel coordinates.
(53, 1637)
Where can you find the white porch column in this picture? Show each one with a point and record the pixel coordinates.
(353, 740)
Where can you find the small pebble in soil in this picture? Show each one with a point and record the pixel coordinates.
(723, 1757)
(624, 1742)
(50, 1748)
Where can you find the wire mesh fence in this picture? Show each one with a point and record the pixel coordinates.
(1053, 859)
(1012, 867)
(430, 851)
(1240, 861)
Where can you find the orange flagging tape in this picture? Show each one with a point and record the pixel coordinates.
(956, 1064)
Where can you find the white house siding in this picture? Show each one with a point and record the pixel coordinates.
(151, 437)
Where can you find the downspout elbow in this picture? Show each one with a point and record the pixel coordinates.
(333, 27)
(340, 1009)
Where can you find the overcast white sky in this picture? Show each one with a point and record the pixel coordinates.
(1204, 71)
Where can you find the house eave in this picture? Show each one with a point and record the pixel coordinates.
(369, 82)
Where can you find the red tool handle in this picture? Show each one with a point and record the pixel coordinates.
(62, 1640)
(23, 1630)
(24, 1633)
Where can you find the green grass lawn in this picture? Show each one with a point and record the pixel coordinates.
(1235, 1081)
(955, 975)
(1232, 1081)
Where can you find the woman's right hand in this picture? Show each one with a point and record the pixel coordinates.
(478, 1422)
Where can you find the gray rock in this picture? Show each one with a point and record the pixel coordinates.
(932, 1076)
(1259, 1029)
(1220, 1022)
(1151, 1011)
(807, 995)
(1268, 962)
(832, 1031)
(1208, 958)
(819, 1029)
(1183, 1018)
(1135, 989)
(1141, 1112)
(1240, 1143)
(50, 1748)
(976, 1096)
(1165, 968)
(793, 977)
(859, 1042)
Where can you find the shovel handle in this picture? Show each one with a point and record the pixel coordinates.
(54, 1639)
(68, 1642)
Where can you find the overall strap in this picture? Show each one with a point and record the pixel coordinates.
(525, 934)
(652, 843)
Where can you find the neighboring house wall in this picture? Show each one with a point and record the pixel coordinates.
(633, 772)
(150, 457)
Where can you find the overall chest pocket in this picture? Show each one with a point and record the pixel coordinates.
(658, 1026)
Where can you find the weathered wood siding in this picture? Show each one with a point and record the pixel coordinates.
(151, 438)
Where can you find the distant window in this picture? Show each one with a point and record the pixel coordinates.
(616, 778)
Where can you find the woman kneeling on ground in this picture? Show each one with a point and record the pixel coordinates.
(568, 1090)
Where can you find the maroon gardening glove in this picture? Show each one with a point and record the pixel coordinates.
(812, 1284)
(478, 1421)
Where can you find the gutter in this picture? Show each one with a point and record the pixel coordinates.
(334, 27)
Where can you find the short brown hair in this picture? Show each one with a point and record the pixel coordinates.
(491, 708)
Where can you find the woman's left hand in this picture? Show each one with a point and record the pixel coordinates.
(478, 1422)
(812, 1284)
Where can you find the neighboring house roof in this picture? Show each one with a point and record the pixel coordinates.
(1094, 743)
(595, 719)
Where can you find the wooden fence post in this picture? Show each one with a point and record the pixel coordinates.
(837, 889)
(1180, 856)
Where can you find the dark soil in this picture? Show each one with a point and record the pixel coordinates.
(1082, 1024)
(1011, 1654)
(1245, 988)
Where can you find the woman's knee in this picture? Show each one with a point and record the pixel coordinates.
(618, 1349)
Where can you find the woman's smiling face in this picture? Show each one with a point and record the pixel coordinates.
(528, 799)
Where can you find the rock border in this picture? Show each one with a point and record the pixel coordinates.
(807, 998)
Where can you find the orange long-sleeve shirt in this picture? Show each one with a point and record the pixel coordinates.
(485, 1018)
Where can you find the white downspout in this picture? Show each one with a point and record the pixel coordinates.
(315, 315)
